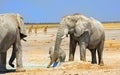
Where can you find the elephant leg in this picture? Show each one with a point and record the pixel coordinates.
(19, 60)
(63, 59)
(93, 54)
(83, 51)
(18, 49)
(51, 62)
(72, 47)
(100, 53)
(83, 43)
(3, 61)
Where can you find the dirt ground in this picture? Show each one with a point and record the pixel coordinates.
(36, 57)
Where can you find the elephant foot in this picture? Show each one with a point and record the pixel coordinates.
(2, 70)
(83, 59)
(48, 66)
(71, 58)
(94, 62)
(101, 63)
(20, 70)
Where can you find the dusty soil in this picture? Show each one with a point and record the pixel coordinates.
(35, 56)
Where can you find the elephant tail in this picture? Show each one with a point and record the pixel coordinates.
(12, 58)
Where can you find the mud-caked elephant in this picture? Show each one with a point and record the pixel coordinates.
(61, 56)
(86, 32)
(12, 30)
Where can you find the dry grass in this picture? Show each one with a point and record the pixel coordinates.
(112, 43)
(111, 25)
(106, 25)
(41, 25)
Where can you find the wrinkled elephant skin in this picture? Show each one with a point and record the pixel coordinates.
(86, 32)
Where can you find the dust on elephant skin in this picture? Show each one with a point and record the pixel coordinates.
(84, 31)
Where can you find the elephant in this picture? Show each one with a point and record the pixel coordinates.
(86, 32)
(12, 30)
(61, 58)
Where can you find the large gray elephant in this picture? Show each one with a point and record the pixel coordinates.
(86, 32)
(12, 30)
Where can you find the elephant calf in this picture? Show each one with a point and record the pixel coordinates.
(61, 55)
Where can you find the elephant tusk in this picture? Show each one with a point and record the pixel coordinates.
(24, 40)
(63, 36)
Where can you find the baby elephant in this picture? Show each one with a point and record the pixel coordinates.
(61, 54)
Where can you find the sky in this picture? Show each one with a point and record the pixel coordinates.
(51, 11)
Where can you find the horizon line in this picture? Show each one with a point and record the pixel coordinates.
(58, 22)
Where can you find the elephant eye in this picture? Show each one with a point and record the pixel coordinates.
(19, 28)
(68, 26)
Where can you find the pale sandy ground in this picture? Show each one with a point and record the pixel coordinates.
(35, 56)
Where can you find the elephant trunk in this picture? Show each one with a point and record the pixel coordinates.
(62, 33)
(58, 41)
(57, 46)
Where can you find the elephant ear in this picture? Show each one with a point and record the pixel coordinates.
(80, 28)
(21, 26)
